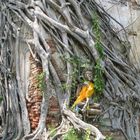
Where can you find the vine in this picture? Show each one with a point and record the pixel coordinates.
(79, 64)
(72, 134)
(41, 81)
(98, 78)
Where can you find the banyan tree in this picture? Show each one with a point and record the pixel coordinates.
(46, 49)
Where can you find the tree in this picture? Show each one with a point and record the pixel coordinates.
(80, 32)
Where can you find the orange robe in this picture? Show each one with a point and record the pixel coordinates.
(86, 92)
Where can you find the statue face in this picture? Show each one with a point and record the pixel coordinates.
(89, 75)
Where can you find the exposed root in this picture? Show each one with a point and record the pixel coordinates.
(71, 121)
(82, 125)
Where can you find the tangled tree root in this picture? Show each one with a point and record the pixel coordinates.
(71, 120)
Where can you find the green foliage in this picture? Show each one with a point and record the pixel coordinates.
(41, 81)
(96, 99)
(79, 64)
(87, 135)
(109, 138)
(53, 130)
(96, 30)
(98, 78)
(65, 86)
(72, 134)
(76, 61)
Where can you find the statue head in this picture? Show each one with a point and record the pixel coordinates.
(88, 75)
